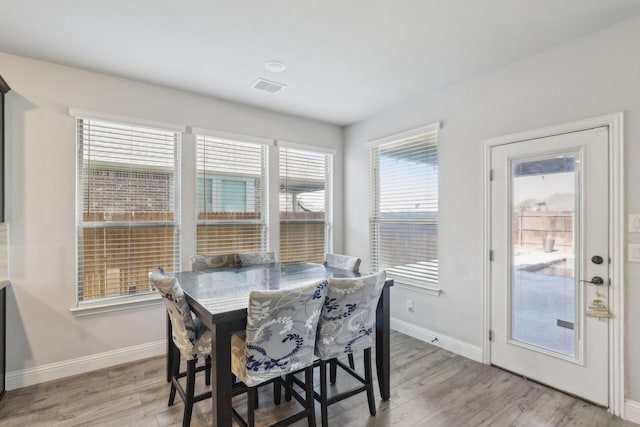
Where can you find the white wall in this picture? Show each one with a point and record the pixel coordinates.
(40, 177)
(591, 76)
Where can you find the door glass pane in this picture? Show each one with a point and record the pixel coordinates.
(543, 288)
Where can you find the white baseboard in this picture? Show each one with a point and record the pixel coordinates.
(632, 411)
(54, 371)
(454, 345)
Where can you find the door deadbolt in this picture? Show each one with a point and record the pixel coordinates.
(597, 259)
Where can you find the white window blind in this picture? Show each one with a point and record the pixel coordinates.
(127, 220)
(231, 196)
(404, 209)
(306, 215)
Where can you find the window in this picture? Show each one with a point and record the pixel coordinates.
(231, 196)
(404, 207)
(306, 216)
(234, 196)
(127, 220)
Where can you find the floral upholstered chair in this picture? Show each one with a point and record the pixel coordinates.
(257, 258)
(207, 262)
(346, 326)
(279, 340)
(191, 340)
(343, 262)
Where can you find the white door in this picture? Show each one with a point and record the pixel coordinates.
(549, 239)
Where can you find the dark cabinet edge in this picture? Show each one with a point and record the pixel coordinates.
(4, 87)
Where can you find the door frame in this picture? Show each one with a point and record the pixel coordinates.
(616, 344)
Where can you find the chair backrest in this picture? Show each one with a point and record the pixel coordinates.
(207, 262)
(182, 325)
(257, 258)
(281, 330)
(346, 322)
(343, 262)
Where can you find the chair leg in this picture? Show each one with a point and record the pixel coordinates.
(256, 401)
(175, 370)
(369, 379)
(287, 393)
(308, 383)
(277, 391)
(207, 370)
(170, 349)
(323, 393)
(352, 363)
(334, 368)
(251, 403)
(333, 371)
(191, 384)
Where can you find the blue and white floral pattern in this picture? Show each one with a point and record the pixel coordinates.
(348, 314)
(343, 262)
(206, 262)
(190, 336)
(280, 335)
(257, 258)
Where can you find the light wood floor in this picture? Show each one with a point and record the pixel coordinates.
(430, 387)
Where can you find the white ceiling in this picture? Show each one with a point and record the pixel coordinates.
(347, 59)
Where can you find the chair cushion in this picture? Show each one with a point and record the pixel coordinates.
(239, 355)
(280, 334)
(257, 258)
(346, 323)
(343, 262)
(206, 262)
(202, 344)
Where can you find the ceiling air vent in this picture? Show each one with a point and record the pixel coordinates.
(268, 86)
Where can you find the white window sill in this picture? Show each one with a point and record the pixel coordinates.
(110, 306)
(423, 289)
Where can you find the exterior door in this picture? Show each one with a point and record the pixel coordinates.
(550, 268)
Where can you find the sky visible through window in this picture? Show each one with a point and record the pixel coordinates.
(416, 179)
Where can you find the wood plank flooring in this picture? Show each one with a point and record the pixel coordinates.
(430, 387)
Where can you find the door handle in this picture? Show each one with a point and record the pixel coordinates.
(595, 280)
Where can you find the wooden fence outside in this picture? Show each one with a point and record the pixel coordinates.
(532, 228)
(116, 260)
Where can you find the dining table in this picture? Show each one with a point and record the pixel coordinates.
(219, 298)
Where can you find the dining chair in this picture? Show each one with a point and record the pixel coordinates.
(198, 263)
(257, 258)
(279, 340)
(191, 340)
(343, 262)
(207, 262)
(346, 326)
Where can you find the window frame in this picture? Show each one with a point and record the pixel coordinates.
(186, 148)
(328, 192)
(376, 218)
(124, 300)
(264, 220)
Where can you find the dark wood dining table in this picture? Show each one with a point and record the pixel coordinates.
(219, 297)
